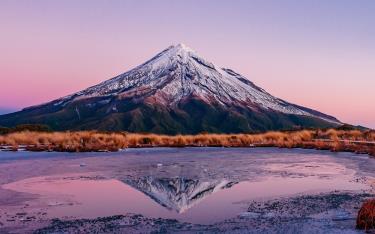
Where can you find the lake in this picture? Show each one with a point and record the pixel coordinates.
(184, 189)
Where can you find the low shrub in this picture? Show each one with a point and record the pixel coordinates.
(366, 216)
(4, 130)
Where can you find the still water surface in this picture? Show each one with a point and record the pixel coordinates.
(197, 199)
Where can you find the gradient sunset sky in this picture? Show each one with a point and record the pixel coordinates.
(317, 53)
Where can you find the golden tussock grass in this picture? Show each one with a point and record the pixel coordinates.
(97, 141)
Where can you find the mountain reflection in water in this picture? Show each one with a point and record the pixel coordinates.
(178, 194)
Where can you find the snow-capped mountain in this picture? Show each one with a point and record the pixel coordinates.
(178, 72)
(177, 91)
(178, 194)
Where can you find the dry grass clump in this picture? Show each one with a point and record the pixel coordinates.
(66, 141)
(352, 135)
(334, 140)
(366, 216)
(370, 135)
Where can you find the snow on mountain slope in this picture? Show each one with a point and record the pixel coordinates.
(179, 72)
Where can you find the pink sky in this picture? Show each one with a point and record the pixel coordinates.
(320, 55)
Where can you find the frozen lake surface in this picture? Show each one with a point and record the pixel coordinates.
(203, 189)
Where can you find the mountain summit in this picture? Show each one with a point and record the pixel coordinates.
(176, 91)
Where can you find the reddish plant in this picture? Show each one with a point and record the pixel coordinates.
(366, 216)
